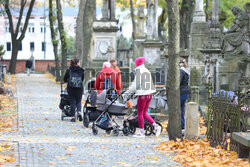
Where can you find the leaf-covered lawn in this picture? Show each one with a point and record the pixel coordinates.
(198, 153)
(8, 117)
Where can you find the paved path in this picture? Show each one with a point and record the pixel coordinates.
(44, 140)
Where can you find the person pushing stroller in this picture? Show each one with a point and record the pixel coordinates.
(74, 76)
(143, 87)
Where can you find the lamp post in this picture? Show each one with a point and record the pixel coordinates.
(44, 30)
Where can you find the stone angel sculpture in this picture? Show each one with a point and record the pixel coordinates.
(237, 40)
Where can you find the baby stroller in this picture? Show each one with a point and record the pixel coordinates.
(64, 103)
(108, 106)
(90, 113)
(158, 101)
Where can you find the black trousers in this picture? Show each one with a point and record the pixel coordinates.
(75, 95)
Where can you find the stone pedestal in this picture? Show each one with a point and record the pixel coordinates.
(104, 43)
(195, 94)
(191, 120)
(152, 54)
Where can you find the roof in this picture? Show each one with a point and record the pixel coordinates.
(39, 11)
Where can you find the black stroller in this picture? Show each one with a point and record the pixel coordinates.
(107, 106)
(158, 101)
(64, 103)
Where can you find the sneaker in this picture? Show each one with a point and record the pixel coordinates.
(139, 135)
(157, 130)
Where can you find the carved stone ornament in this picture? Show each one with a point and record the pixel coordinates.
(237, 39)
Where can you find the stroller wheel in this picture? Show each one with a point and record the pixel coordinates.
(94, 130)
(108, 132)
(85, 120)
(125, 131)
(132, 129)
(148, 130)
(116, 132)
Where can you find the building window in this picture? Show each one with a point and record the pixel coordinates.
(20, 47)
(43, 46)
(41, 30)
(8, 46)
(32, 46)
(29, 29)
(33, 29)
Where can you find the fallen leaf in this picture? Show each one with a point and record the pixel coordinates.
(79, 161)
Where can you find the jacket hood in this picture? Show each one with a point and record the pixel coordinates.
(75, 68)
(107, 71)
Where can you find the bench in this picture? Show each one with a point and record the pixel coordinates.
(243, 140)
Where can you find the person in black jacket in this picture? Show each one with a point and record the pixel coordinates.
(28, 65)
(74, 76)
(184, 91)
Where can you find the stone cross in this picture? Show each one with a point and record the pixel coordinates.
(141, 21)
(108, 10)
(199, 15)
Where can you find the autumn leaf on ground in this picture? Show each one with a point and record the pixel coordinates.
(79, 161)
(71, 148)
(60, 158)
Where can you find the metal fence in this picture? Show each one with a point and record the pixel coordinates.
(225, 116)
(52, 70)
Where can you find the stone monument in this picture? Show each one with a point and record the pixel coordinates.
(198, 36)
(152, 45)
(211, 52)
(104, 35)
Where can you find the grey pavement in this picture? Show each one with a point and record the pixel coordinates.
(44, 140)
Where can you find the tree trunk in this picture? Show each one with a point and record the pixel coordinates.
(173, 79)
(186, 18)
(62, 37)
(133, 27)
(79, 29)
(54, 41)
(14, 53)
(133, 19)
(87, 31)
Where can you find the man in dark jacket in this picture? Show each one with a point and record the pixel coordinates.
(74, 76)
(184, 91)
(28, 66)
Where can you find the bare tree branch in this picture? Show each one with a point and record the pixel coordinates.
(20, 17)
(26, 20)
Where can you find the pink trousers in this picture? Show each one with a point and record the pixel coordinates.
(142, 108)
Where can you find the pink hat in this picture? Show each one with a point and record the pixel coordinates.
(139, 61)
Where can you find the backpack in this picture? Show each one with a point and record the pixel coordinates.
(108, 84)
(75, 79)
